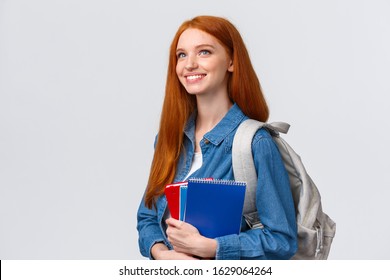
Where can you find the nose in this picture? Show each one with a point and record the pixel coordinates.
(191, 63)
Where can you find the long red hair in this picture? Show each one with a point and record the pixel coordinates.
(243, 89)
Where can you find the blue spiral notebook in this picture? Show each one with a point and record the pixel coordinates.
(215, 207)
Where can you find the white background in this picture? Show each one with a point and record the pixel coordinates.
(81, 88)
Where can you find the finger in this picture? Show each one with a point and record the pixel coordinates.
(172, 232)
(174, 223)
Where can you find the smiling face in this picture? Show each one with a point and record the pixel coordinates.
(202, 63)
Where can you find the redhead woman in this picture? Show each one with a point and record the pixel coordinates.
(211, 88)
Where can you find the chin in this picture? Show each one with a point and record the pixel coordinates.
(194, 92)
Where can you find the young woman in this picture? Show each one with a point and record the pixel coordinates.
(211, 88)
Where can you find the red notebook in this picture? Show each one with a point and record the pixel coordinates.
(172, 192)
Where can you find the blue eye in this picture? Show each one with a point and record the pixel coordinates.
(181, 55)
(204, 52)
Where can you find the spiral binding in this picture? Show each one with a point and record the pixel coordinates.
(217, 181)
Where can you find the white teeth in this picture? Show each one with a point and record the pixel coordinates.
(194, 77)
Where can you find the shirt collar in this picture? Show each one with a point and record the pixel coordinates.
(229, 123)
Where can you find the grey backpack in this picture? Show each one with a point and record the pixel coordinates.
(315, 229)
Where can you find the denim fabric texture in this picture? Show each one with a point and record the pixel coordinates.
(278, 238)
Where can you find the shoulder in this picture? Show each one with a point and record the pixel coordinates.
(262, 134)
(263, 143)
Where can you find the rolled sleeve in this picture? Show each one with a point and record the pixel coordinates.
(149, 230)
(228, 247)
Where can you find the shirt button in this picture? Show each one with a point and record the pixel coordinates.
(206, 141)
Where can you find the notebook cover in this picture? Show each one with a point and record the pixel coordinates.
(172, 192)
(183, 201)
(215, 207)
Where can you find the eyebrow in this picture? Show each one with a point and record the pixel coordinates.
(198, 47)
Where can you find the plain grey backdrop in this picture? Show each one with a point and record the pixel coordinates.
(81, 88)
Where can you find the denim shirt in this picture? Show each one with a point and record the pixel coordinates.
(278, 238)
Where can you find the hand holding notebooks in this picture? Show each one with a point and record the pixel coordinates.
(215, 207)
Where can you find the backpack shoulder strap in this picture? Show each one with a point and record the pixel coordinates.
(244, 167)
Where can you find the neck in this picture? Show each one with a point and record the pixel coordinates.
(210, 112)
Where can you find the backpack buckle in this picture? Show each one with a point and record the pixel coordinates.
(253, 221)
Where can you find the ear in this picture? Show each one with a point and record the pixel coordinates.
(230, 69)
